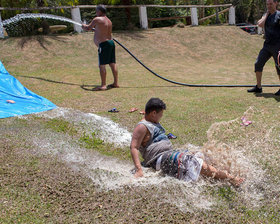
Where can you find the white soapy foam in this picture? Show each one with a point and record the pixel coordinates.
(106, 129)
(110, 173)
(239, 157)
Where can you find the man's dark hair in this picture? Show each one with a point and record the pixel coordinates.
(101, 8)
(154, 104)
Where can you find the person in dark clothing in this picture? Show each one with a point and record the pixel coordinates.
(271, 24)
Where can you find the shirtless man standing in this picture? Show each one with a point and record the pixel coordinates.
(102, 26)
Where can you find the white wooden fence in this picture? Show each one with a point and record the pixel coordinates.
(143, 17)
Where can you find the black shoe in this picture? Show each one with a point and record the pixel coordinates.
(255, 89)
(277, 93)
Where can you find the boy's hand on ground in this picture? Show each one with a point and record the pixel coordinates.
(139, 173)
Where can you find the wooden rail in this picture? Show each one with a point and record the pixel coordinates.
(213, 15)
(168, 18)
(250, 26)
(143, 15)
(115, 6)
(188, 6)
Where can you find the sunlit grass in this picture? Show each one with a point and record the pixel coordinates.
(208, 55)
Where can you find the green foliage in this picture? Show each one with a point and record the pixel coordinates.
(31, 4)
(28, 27)
(91, 141)
(63, 126)
(226, 193)
(249, 10)
(246, 11)
(115, 2)
(36, 3)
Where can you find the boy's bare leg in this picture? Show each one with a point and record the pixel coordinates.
(114, 69)
(102, 69)
(210, 171)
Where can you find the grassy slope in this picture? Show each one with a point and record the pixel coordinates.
(214, 55)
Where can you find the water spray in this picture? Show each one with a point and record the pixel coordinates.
(1, 29)
(20, 17)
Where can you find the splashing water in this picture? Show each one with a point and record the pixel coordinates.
(234, 148)
(20, 17)
(110, 173)
(105, 129)
(1, 29)
(229, 153)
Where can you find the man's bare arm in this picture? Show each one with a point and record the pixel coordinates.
(90, 26)
(261, 22)
(137, 138)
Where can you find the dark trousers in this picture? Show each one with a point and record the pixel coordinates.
(265, 54)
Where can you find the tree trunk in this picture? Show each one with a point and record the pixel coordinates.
(201, 10)
(216, 2)
(45, 25)
(127, 11)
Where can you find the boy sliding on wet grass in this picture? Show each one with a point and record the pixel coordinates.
(106, 47)
(156, 149)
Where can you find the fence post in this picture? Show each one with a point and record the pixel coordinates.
(76, 16)
(231, 15)
(260, 30)
(217, 17)
(1, 28)
(143, 17)
(194, 17)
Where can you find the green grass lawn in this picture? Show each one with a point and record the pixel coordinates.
(64, 69)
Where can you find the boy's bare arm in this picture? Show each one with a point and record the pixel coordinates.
(137, 138)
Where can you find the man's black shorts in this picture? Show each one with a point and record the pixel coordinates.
(265, 54)
(106, 52)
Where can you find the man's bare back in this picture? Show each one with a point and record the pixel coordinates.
(102, 26)
(103, 29)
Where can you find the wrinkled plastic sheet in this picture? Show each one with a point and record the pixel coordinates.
(26, 102)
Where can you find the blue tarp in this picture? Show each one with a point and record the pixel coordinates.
(26, 102)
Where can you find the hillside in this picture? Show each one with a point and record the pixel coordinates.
(56, 169)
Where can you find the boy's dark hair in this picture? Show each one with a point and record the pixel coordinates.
(101, 8)
(154, 104)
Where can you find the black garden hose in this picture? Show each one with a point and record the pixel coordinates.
(180, 83)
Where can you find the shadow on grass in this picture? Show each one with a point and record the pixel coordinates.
(268, 95)
(138, 34)
(90, 87)
(85, 87)
(143, 87)
(40, 39)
